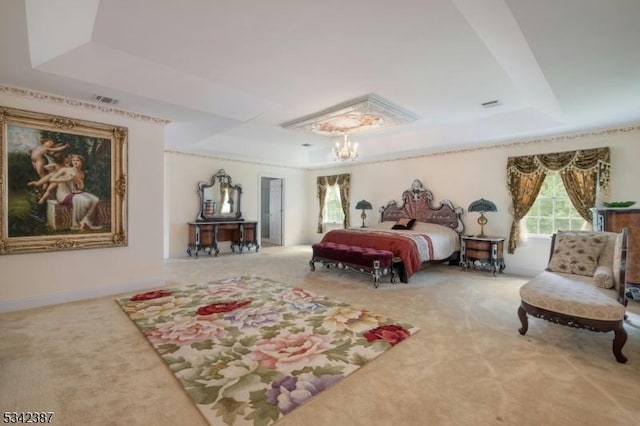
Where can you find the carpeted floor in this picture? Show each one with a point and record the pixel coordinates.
(87, 362)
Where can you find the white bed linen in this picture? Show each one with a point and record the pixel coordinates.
(445, 241)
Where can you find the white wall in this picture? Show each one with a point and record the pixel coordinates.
(28, 280)
(467, 175)
(184, 171)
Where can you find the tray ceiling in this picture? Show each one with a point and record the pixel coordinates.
(228, 74)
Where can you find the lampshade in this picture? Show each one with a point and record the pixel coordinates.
(482, 206)
(364, 205)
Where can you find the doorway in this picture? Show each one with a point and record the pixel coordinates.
(271, 211)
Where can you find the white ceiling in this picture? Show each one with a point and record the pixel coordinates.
(228, 73)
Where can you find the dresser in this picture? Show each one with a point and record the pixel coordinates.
(485, 253)
(613, 220)
(205, 236)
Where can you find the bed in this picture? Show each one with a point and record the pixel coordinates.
(433, 235)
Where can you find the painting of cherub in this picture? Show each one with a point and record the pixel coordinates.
(67, 179)
(60, 183)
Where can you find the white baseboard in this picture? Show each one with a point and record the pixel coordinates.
(72, 296)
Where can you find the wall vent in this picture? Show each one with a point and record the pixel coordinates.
(490, 104)
(105, 99)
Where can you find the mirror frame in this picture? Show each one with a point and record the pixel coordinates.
(222, 178)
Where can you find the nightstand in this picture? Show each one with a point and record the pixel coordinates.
(486, 253)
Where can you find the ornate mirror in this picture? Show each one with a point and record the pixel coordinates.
(219, 198)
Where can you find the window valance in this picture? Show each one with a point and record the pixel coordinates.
(596, 160)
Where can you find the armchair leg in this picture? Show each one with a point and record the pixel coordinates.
(525, 321)
(618, 342)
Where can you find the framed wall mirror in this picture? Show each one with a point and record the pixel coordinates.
(220, 199)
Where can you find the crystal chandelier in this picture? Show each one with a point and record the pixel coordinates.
(346, 151)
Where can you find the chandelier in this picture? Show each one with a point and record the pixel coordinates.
(346, 151)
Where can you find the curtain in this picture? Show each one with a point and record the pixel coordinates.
(584, 173)
(524, 188)
(344, 183)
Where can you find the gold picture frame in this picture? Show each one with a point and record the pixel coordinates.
(63, 183)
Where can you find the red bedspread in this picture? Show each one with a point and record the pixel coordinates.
(401, 246)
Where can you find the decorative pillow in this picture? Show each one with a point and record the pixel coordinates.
(404, 224)
(603, 277)
(576, 254)
(606, 255)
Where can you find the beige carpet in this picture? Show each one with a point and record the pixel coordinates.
(468, 365)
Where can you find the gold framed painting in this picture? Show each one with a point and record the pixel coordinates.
(63, 183)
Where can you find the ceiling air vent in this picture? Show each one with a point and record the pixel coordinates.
(490, 104)
(105, 99)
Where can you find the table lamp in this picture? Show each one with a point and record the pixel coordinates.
(482, 206)
(363, 205)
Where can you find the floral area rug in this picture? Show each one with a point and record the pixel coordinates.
(248, 350)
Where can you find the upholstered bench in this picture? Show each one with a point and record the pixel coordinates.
(362, 259)
(594, 301)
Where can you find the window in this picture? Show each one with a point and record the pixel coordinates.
(333, 191)
(586, 172)
(552, 210)
(332, 211)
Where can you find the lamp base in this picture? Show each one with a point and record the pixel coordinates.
(363, 216)
(482, 221)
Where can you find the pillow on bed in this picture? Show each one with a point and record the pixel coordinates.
(387, 224)
(427, 227)
(404, 224)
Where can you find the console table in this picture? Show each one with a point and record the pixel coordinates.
(206, 236)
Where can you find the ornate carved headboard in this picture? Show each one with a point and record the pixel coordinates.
(417, 202)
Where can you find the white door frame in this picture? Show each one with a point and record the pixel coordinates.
(282, 203)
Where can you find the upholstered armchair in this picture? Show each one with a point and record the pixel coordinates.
(583, 286)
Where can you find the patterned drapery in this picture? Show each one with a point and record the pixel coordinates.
(583, 172)
(344, 183)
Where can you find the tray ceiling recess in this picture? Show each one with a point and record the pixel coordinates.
(359, 114)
